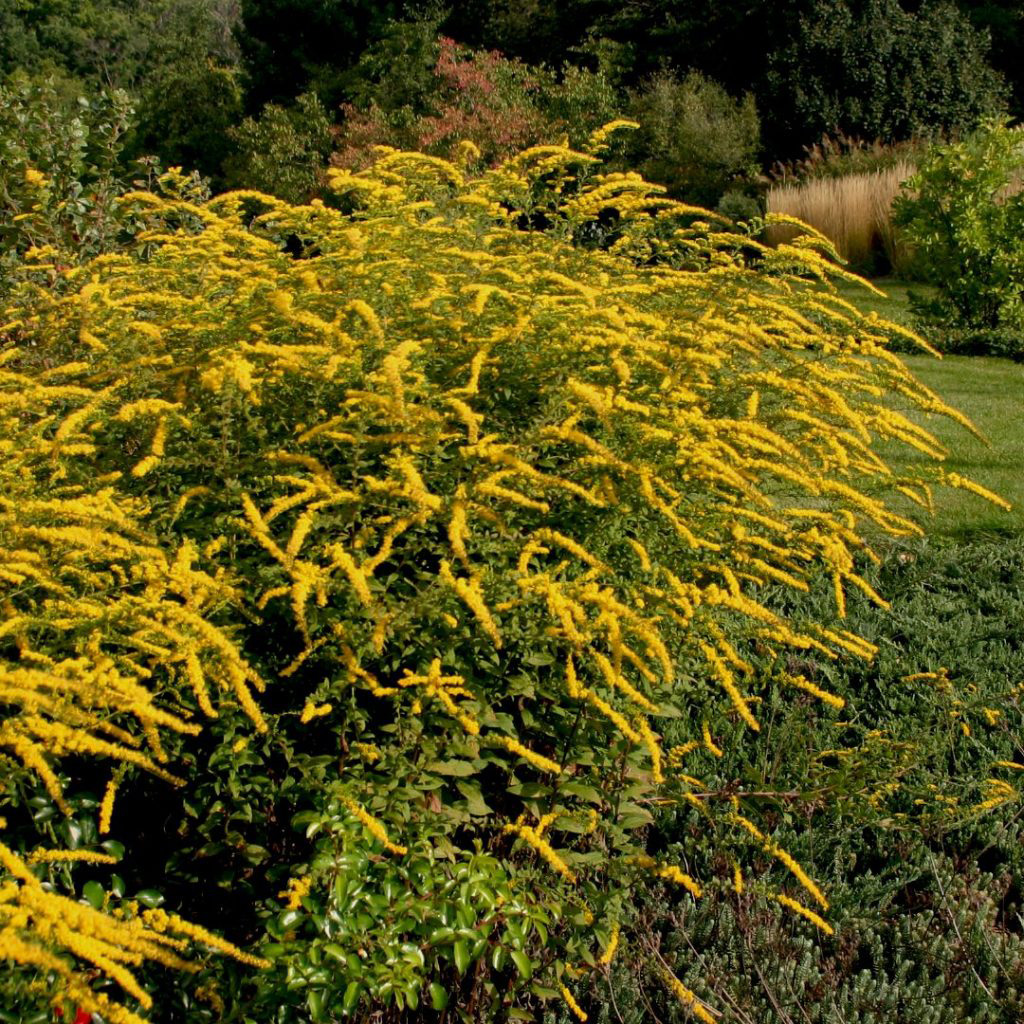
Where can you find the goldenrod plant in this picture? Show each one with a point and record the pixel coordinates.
(484, 514)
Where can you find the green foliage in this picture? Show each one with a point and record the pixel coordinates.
(60, 174)
(284, 151)
(290, 47)
(924, 880)
(186, 115)
(445, 94)
(871, 68)
(1003, 21)
(173, 58)
(114, 43)
(878, 71)
(964, 218)
(694, 138)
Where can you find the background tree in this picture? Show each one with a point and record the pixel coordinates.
(292, 46)
(876, 70)
(693, 137)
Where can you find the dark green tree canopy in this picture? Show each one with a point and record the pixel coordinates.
(875, 70)
(291, 46)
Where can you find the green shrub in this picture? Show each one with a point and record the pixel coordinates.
(964, 218)
(284, 151)
(60, 174)
(413, 568)
(694, 137)
(186, 114)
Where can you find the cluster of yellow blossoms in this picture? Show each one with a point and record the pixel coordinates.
(623, 448)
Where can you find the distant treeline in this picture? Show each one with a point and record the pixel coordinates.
(219, 84)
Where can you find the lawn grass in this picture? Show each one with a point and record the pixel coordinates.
(894, 306)
(990, 392)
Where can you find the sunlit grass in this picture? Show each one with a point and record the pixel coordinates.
(990, 392)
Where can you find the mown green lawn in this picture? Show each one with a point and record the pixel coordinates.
(894, 306)
(991, 393)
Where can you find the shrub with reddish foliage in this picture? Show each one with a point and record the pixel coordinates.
(498, 104)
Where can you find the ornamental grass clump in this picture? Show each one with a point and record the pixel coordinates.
(486, 515)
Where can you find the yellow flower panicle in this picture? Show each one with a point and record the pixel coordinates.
(297, 890)
(577, 1010)
(671, 873)
(311, 711)
(819, 922)
(689, 999)
(609, 951)
(374, 827)
(534, 836)
(732, 419)
(39, 856)
(776, 851)
(544, 764)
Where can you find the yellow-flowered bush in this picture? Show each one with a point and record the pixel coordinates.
(492, 516)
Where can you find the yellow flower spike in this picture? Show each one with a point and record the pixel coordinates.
(689, 999)
(374, 827)
(774, 850)
(709, 743)
(544, 764)
(533, 837)
(297, 890)
(801, 683)
(577, 1011)
(609, 951)
(311, 711)
(39, 856)
(737, 879)
(107, 804)
(470, 591)
(819, 922)
(650, 741)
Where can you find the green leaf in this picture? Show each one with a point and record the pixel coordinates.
(113, 848)
(461, 952)
(350, 999)
(633, 816)
(438, 996)
(539, 658)
(461, 769)
(315, 1002)
(150, 898)
(475, 802)
(523, 964)
(93, 892)
(289, 918)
